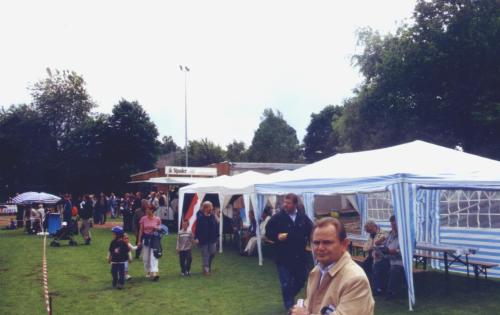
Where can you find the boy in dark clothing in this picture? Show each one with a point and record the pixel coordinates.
(118, 255)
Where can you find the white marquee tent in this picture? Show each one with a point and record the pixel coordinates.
(227, 186)
(412, 173)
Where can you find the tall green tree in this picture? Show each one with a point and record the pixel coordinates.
(236, 151)
(27, 151)
(320, 140)
(86, 167)
(132, 143)
(168, 145)
(63, 101)
(274, 140)
(436, 80)
(202, 153)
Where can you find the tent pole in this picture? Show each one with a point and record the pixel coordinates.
(221, 220)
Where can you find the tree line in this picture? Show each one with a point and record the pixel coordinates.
(58, 142)
(437, 78)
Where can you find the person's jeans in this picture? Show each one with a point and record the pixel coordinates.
(396, 280)
(127, 222)
(367, 266)
(85, 229)
(207, 255)
(97, 216)
(118, 273)
(380, 273)
(292, 279)
(185, 260)
(138, 251)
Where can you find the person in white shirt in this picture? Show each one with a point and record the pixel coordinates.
(252, 242)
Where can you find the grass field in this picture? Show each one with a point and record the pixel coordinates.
(80, 283)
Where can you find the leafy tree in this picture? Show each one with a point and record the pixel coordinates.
(236, 151)
(436, 80)
(274, 140)
(27, 151)
(86, 164)
(168, 145)
(320, 140)
(103, 151)
(202, 153)
(131, 144)
(63, 102)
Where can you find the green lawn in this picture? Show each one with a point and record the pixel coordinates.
(80, 282)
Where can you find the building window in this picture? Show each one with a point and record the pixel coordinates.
(470, 208)
(379, 206)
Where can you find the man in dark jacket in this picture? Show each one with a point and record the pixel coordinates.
(207, 231)
(290, 231)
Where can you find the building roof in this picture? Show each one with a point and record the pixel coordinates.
(274, 166)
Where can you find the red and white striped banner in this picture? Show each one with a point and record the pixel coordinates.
(191, 212)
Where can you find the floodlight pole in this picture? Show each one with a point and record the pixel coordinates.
(185, 70)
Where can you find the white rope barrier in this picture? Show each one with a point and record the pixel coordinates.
(45, 277)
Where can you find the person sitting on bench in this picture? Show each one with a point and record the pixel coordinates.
(375, 237)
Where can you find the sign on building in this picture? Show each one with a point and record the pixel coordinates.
(190, 171)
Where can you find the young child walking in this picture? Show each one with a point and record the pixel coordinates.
(184, 244)
(118, 255)
(131, 247)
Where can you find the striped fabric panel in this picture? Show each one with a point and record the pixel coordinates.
(258, 203)
(404, 197)
(308, 199)
(194, 206)
(427, 218)
(361, 199)
(487, 241)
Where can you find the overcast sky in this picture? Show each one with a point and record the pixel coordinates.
(244, 56)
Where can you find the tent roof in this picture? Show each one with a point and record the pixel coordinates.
(171, 180)
(234, 185)
(227, 185)
(417, 162)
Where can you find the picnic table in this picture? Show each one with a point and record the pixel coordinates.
(449, 254)
(452, 255)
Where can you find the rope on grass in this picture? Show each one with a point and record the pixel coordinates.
(45, 277)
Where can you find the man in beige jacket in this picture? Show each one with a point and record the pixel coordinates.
(337, 285)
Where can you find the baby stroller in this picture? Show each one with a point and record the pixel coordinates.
(63, 234)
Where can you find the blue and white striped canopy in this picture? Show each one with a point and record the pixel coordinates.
(417, 162)
(404, 170)
(35, 197)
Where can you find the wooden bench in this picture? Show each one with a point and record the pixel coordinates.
(423, 258)
(481, 268)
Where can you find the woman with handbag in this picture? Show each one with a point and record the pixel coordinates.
(148, 225)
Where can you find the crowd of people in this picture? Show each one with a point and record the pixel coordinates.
(335, 283)
(94, 209)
